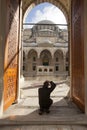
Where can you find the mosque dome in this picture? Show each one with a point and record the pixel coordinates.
(45, 28)
(45, 22)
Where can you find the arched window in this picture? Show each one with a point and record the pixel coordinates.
(40, 70)
(45, 70)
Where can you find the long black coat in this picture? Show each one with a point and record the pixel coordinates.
(44, 95)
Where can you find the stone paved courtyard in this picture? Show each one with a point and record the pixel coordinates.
(64, 114)
(29, 98)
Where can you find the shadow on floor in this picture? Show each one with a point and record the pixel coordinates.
(62, 110)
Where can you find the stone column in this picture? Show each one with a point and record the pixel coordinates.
(52, 58)
(38, 60)
(64, 67)
(27, 64)
(20, 61)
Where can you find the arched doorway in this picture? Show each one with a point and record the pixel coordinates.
(45, 58)
(74, 57)
(45, 61)
(77, 21)
(31, 63)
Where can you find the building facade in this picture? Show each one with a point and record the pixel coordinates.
(45, 50)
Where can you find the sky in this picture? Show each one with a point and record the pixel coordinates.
(45, 11)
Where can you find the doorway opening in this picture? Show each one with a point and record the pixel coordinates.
(58, 58)
(45, 44)
(49, 40)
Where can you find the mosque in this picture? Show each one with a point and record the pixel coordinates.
(45, 50)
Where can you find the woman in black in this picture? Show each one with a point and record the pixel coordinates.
(44, 96)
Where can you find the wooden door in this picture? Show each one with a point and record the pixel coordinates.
(11, 53)
(77, 53)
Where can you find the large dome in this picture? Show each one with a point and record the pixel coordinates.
(45, 27)
(45, 22)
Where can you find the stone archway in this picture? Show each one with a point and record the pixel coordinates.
(64, 6)
(45, 58)
(58, 60)
(31, 63)
(76, 22)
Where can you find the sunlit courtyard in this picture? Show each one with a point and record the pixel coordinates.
(28, 106)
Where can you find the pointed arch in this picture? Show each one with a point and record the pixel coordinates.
(63, 6)
(45, 57)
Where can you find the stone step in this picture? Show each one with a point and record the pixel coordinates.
(44, 120)
(44, 127)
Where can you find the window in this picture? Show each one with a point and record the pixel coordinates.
(57, 59)
(50, 70)
(57, 68)
(67, 59)
(23, 67)
(67, 68)
(46, 61)
(40, 70)
(45, 70)
(34, 58)
(34, 68)
(23, 58)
